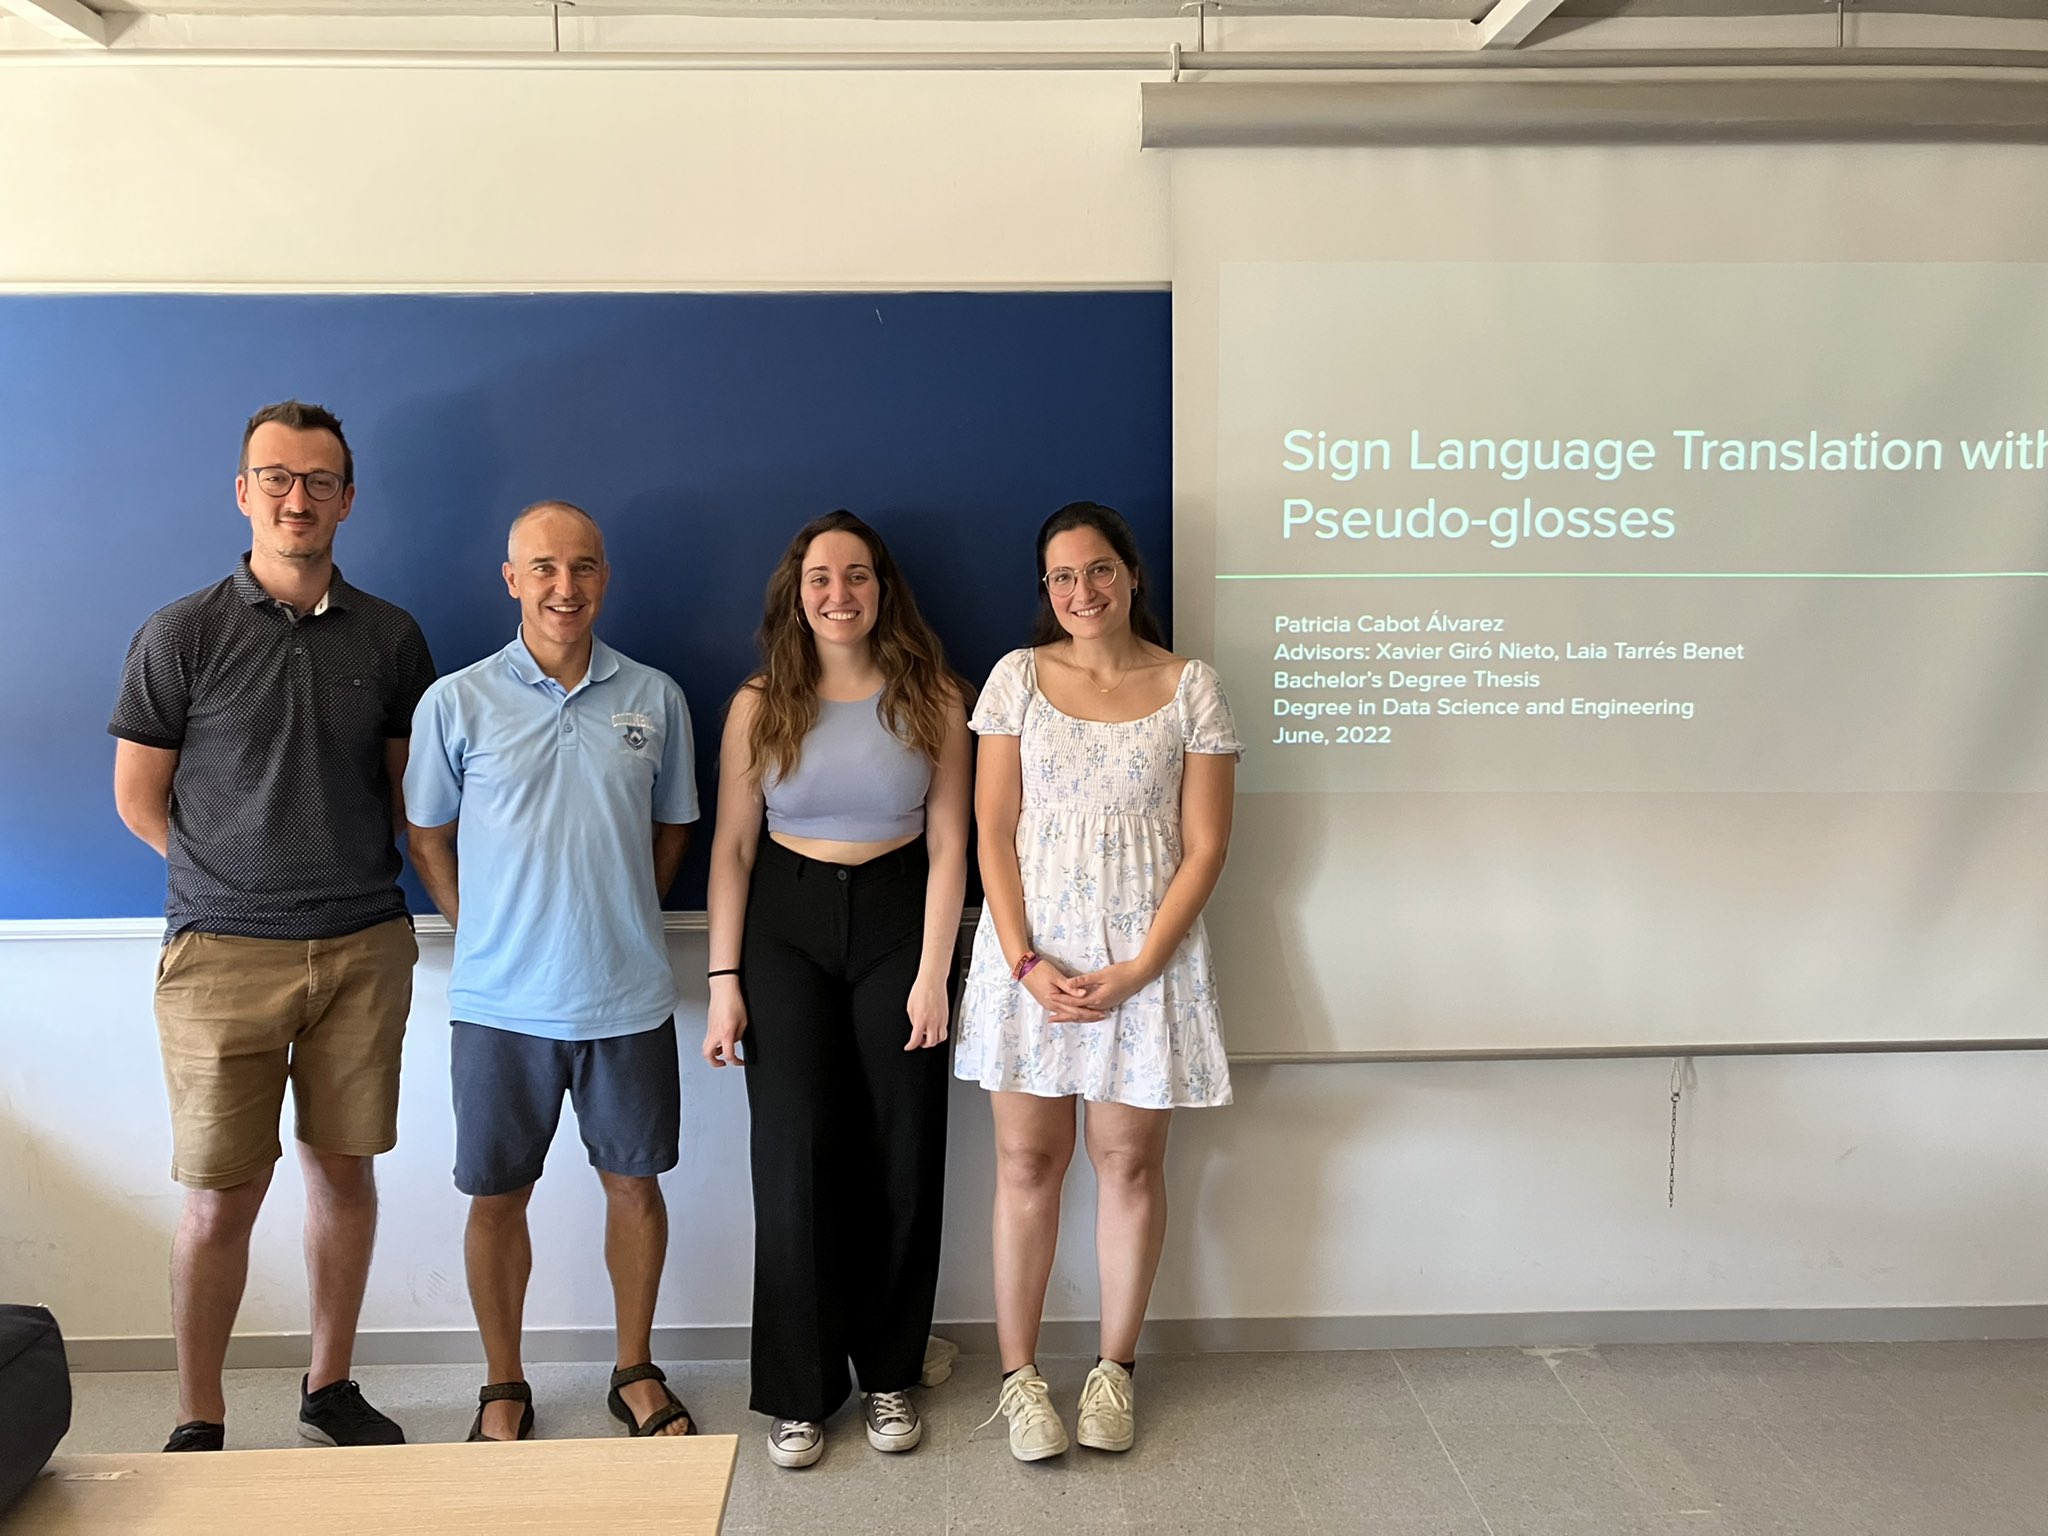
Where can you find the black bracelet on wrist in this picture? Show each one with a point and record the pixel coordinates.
(732, 971)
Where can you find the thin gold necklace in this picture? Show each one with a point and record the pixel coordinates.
(1112, 688)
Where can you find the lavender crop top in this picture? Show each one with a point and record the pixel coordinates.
(855, 783)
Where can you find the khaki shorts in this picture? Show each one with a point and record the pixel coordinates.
(238, 1018)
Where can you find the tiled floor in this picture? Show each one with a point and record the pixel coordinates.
(1721, 1440)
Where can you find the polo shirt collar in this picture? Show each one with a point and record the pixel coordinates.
(339, 593)
(247, 587)
(604, 661)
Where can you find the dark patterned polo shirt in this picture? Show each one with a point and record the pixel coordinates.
(281, 808)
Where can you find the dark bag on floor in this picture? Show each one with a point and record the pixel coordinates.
(35, 1396)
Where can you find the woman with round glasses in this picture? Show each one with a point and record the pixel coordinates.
(1103, 797)
(832, 944)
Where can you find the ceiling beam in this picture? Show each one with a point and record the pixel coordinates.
(1502, 27)
(65, 20)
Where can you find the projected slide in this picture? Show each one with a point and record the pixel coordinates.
(1632, 527)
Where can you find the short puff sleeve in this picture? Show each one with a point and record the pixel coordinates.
(1205, 723)
(1000, 709)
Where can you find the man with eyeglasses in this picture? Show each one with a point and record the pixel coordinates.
(261, 741)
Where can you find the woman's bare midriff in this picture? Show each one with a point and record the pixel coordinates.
(831, 851)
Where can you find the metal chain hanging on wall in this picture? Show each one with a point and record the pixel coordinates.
(1681, 1075)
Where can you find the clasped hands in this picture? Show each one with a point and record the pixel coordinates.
(1086, 997)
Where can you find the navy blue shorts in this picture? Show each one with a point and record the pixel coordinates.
(508, 1100)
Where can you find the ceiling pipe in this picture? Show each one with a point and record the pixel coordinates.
(1648, 63)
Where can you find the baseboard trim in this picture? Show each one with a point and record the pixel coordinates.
(1189, 1335)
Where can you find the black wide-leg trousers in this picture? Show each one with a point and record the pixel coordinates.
(849, 1129)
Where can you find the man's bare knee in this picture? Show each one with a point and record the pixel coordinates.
(223, 1215)
(508, 1209)
(337, 1175)
(630, 1194)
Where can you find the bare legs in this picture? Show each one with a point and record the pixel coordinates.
(1128, 1148)
(1034, 1145)
(210, 1267)
(635, 1240)
(498, 1250)
(341, 1229)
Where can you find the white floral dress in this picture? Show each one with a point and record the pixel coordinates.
(1098, 839)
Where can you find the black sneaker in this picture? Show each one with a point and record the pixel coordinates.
(338, 1415)
(198, 1435)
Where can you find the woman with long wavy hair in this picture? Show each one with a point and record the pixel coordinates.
(832, 945)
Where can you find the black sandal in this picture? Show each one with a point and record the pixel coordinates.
(504, 1392)
(656, 1421)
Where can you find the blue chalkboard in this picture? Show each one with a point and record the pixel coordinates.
(702, 430)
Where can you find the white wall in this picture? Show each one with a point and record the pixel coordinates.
(1830, 1183)
(150, 178)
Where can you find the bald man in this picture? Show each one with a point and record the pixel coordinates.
(549, 790)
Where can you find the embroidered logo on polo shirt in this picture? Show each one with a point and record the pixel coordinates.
(634, 728)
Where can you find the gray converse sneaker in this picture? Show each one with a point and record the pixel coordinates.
(893, 1425)
(795, 1442)
(1104, 1422)
(939, 1355)
(1035, 1430)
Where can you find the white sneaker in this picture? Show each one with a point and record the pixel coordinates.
(795, 1442)
(893, 1425)
(939, 1355)
(1035, 1430)
(1104, 1421)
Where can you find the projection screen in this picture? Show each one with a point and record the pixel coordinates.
(1630, 569)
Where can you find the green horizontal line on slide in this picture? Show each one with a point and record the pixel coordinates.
(1630, 575)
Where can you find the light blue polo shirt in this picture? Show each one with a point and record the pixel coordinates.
(557, 795)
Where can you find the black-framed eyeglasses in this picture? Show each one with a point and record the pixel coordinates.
(276, 480)
(1100, 573)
